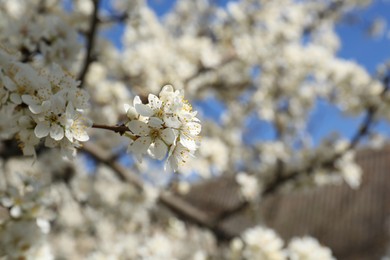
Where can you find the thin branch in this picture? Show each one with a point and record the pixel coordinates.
(90, 41)
(121, 129)
(114, 18)
(361, 132)
(371, 112)
(280, 180)
(178, 205)
(105, 157)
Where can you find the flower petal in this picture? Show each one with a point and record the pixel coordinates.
(42, 129)
(154, 102)
(144, 110)
(155, 122)
(138, 128)
(192, 128)
(140, 146)
(15, 98)
(159, 150)
(188, 142)
(168, 135)
(137, 100)
(172, 121)
(33, 103)
(57, 132)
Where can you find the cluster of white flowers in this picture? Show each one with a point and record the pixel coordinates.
(268, 62)
(307, 248)
(264, 244)
(166, 124)
(25, 213)
(345, 166)
(249, 186)
(45, 104)
(23, 240)
(211, 159)
(43, 36)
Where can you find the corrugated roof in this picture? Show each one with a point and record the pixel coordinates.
(353, 223)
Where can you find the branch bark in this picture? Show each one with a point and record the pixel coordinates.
(179, 206)
(90, 42)
(121, 129)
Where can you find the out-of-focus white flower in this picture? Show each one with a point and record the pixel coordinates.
(262, 243)
(49, 106)
(308, 248)
(350, 171)
(20, 239)
(156, 247)
(249, 186)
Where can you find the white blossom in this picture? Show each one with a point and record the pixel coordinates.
(248, 185)
(306, 248)
(166, 125)
(262, 243)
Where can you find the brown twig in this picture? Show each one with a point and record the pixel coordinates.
(90, 42)
(360, 133)
(280, 180)
(179, 206)
(121, 129)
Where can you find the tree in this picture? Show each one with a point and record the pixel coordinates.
(66, 87)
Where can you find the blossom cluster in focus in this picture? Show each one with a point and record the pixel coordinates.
(166, 125)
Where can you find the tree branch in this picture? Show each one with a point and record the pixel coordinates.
(282, 179)
(90, 42)
(121, 129)
(361, 132)
(178, 205)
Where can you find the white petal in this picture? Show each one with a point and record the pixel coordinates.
(154, 102)
(155, 122)
(140, 146)
(188, 142)
(15, 98)
(8, 83)
(46, 105)
(171, 164)
(70, 111)
(168, 135)
(126, 107)
(69, 134)
(42, 129)
(172, 121)
(144, 110)
(56, 132)
(16, 212)
(193, 128)
(131, 113)
(30, 99)
(138, 128)
(33, 103)
(167, 88)
(159, 149)
(137, 100)
(81, 136)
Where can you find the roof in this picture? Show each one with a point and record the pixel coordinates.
(353, 223)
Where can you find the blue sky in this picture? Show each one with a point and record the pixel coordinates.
(365, 50)
(356, 46)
